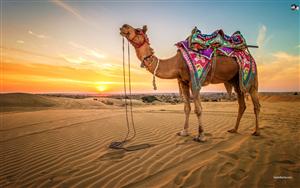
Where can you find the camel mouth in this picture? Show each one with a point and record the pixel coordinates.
(124, 33)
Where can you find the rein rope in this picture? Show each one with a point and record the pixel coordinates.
(154, 74)
(119, 144)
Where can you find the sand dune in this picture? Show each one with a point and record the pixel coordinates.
(25, 100)
(29, 102)
(58, 147)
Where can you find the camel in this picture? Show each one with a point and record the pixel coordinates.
(175, 67)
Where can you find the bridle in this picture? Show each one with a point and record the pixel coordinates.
(145, 39)
(146, 59)
(137, 45)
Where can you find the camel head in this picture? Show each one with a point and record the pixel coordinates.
(139, 40)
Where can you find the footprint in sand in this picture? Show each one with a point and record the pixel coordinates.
(267, 127)
(252, 154)
(225, 168)
(289, 162)
(180, 176)
(207, 134)
(270, 143)
(219, 137)
(112, 155)
(183, 142)
(293, 169)
(227, 154)
(238, 175)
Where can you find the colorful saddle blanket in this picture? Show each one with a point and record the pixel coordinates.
(198, 50)
(199, 41)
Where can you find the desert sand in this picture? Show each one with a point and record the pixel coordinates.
(63, 142)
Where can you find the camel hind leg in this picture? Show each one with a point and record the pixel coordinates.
(242, 107)
(198, 112)
(256, 104)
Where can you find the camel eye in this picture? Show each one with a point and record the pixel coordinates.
(138, 31)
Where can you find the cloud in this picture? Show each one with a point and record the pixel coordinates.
(79, 60)
(69, 9)
(87, 51)
(280, 73)
(33, 77)
(14, 53)
(261, 35)
(75, 13)
(262, 38)
(41, 36)
(287, 57)
(20, 41)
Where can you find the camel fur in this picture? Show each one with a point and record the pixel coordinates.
(226, 71)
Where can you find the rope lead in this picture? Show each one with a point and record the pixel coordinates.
(119, 144)
(154, 74)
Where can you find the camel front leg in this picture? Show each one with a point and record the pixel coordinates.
(198, 112)
(184, 88)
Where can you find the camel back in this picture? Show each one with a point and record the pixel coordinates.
(198, 50)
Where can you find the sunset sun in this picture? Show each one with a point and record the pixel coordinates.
(102, 88)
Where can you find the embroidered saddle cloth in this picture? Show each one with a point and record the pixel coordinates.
(198, 50)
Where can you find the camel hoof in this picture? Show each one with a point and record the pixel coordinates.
(232, 131)
(200, 138)
(183, 133)
(256, 133)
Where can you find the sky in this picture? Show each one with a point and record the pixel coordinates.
(75, 46)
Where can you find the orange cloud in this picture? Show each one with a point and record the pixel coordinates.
(87, 51)
(35, 78)
(23, 72)
(280, 73)
(43, 78)
(41, 36)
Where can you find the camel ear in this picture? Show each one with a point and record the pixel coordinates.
(145, 28)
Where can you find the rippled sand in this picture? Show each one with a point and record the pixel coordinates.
(56, 147)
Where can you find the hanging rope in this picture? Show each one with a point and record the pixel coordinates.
(154, 74)
(125, 93)
(119, 144)
(130, 98)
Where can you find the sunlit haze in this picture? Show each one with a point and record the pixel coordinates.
(75, 46)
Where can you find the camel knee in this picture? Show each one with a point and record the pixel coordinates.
(242, 107)
(257, 109)
(198, 112)
(187, 108)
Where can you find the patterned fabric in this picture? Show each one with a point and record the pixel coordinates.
(247, 69)
(198, 50)
(198, 65)
(199, 41)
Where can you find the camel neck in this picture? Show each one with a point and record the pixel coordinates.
(153, 64)
(166, 69)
